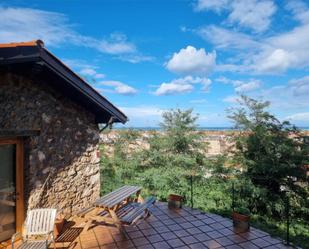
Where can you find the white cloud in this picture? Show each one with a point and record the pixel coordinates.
(192, 61)
(278, 61)
(25, 24)
(247, 87)
(270, 55)
(198, 101)
(241, 86)
(231, 99)
(299, 10)
(216, 5)
(302, 116)
(119, 87)
(173, 88)
(225, 38)
(253, 14)
(142, 111)
(88, 71)
(300, 87)
(291, 97)
(135, 58)
(182, 85)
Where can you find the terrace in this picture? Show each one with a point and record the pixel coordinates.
(165, 228)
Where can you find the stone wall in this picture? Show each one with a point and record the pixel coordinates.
(61, 164)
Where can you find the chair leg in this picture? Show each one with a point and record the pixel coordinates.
(88, 225)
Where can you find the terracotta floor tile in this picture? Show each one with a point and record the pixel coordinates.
(248, 245)
(193, 230)
(214, 234)
(140, 241)
(202, 237)
(205, 228)
(271, 240)
(260, 242)
(186, 225)
(147, 246)
(211, 244)
(189, 240)
(109, 246)
(183, 247)
(197, 246)
(168, 235)
(236, 238)
(175, 243)
(125, 244)
(174, 227)
(161, 245)
(224, 241)
(157, 224)
(226, 231)
(155, 238)
(136, 234)
(162, 230)
(233, 247)
(149, 231)
(197, 223)
(217, 226)
(209, 221)
(181, 233)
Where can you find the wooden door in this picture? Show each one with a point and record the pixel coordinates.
(11, 187)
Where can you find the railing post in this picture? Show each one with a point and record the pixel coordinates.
(233, 196)
(287, 219)
(191, 182)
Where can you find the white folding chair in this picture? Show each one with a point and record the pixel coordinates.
(39, 229)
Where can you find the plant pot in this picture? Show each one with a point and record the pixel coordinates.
(59, 223)
(175, 201)
(241, 222)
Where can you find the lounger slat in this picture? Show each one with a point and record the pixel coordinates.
(138, 212)
(111, 195)
(124, 195)
(117, 196)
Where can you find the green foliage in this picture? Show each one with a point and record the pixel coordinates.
(273, 155)
(268, 154)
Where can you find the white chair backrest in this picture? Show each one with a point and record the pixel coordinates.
(40, 221)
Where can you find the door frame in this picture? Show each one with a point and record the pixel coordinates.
(20, 205)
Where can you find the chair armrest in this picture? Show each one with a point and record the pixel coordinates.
(51, 237)
(14, 237)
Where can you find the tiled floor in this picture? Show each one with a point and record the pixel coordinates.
(185, 228)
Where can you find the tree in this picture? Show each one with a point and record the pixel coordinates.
(273, 153)
(180, 127)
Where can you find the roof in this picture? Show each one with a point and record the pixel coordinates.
(33, 59)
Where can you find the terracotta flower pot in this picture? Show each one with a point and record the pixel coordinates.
(59, 223)
(241, 222)
(175, 201)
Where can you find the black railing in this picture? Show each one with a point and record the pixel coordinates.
(221, 195)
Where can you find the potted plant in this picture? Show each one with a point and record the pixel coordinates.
(175, 201)
(59, 223)
(241, 219)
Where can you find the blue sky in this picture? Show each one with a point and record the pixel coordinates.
(150, 56)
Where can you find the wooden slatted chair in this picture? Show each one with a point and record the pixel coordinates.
(39, 229)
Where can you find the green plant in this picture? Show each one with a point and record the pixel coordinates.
(242, 210)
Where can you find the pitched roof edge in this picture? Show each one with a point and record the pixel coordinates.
(69, 75)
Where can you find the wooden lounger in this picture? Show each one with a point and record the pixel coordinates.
(138, 212)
